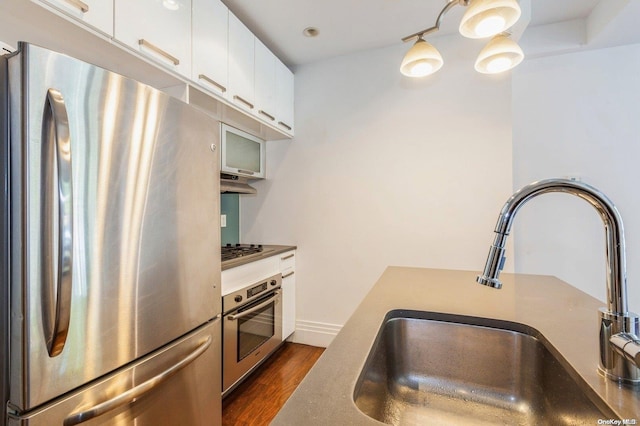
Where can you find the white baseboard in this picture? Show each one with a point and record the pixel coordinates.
(315, 333)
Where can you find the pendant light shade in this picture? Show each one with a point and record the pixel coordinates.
(485, 18)
(499, 55)
(421, 60)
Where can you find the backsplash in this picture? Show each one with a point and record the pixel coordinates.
(230, 206)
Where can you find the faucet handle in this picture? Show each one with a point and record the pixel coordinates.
(627, 345)
(620, 346)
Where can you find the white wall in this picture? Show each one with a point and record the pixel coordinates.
(578, 115)
(384, 170)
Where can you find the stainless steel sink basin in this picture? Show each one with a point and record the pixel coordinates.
(427, 368)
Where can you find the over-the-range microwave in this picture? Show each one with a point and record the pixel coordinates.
(241, 153)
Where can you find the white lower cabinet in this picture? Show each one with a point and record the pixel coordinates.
(287, 268)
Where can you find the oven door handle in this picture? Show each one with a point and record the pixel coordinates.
(233, 317)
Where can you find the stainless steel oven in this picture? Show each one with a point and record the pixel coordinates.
(252, 328)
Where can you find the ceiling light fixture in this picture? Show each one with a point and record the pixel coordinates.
(422, 59)
(499, 55)
(483, 18)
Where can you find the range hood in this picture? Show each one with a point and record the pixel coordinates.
(235, 184)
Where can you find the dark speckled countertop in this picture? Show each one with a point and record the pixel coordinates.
(565, 316)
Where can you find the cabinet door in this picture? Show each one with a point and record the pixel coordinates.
(95, 13)
(265, 82)
(160, 30)
(287, 268)
(210, 28)
(241, 64)
(284, 97)
(288, 304)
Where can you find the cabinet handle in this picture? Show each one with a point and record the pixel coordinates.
(289, 256)
(274, 298)
(213, 82)
(266, 114)
(288, 275)
(80, 5)
(285, 125)
(144, 43)
(244, 101)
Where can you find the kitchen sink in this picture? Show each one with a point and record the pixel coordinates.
(429, 368)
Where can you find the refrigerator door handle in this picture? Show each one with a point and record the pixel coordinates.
(56, 146)
(136, 392)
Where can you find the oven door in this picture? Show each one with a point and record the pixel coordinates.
(251, 333)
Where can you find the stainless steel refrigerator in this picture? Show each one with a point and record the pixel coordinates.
(110, 295)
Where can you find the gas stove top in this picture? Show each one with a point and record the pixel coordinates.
(234, 251)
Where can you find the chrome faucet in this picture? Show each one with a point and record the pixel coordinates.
(619, 328)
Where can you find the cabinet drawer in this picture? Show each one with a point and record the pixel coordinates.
(236, 278)
(287, 262)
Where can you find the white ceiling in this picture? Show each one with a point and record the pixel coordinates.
(347, 26)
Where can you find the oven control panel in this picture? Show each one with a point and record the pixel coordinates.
(251, 292)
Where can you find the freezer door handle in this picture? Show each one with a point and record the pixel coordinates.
(136, 392)
(57, 241)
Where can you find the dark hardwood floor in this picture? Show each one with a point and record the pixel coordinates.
(259, 398)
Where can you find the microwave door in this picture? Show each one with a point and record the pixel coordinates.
(242, 154)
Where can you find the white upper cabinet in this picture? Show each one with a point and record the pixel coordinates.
(210, 29)
(284, 97)
(241, 63)
(204, 42)
(95, 13)
(265, 83)
(159, 29)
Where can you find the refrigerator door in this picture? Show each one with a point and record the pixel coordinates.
(115, 246)
(5, 278)
(177, 385)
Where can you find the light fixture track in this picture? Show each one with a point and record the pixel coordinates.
(436, 27)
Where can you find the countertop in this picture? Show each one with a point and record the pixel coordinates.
(268, 251)
(564, 315)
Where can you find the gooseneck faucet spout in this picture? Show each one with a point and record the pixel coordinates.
(619, 344)
(615, 246)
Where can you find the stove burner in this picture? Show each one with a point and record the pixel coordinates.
(234, 251)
